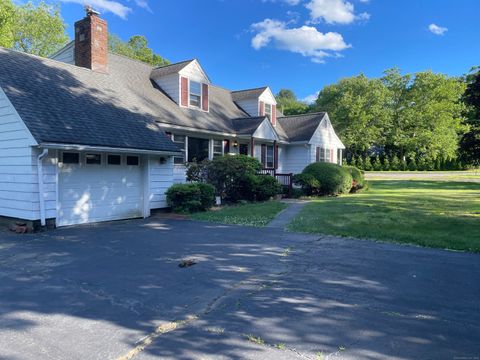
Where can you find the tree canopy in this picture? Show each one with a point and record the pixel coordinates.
(288, 103)
(412, 116)
(34, 29)
(470, 143)
(135, 48)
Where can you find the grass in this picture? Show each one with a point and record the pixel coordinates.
(467, 175)
(427, 213)
(251, 214)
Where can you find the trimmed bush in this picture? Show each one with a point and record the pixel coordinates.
(358, 181)
(333, 178)
(191, 197)
(376, 164)
(309, 184)
(367, 164)
(266, 187)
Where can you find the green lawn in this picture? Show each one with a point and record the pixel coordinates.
(251, 214)
(428, 213)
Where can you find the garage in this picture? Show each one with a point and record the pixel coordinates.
(95, 187)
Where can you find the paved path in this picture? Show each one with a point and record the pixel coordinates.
(115, 291)
(287, 215)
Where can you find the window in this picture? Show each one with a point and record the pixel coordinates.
(114, 160)
(133, 161)
(268, 110)
(70, 158)
(197, 149)
(321, 154)
(217, 148)
(243, 150)
(270, 157)
(195, 94)
(179, 140)
(93, 159)
(327, 155)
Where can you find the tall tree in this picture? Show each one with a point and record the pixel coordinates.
(7, 12)
(357, 108)
(135, 48)
(470, 143)
(288, 103)
(38, 30)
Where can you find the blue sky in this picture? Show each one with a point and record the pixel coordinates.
(302, 45)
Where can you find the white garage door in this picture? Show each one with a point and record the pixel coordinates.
(91, 192)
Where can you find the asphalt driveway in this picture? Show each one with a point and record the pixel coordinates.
(115, 291)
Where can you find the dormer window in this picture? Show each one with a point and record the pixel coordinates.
(195, 94)
(268, 110)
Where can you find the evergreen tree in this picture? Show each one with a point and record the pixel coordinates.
(359, 163)
(395, 163)
(412, 165)
(376, 164)
(386, 163)
(367, 164)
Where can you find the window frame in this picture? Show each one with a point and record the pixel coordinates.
(218, 145)
(191, 141)
(132, 156)
(93, 164)
(322, 157)
(269, 165)
(191, 93)
(115, 155)
(184, 151)
(73, 153)
(269, 113)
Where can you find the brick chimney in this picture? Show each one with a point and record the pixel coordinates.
(91, 42)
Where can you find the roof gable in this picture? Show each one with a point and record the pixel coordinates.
(195, 72)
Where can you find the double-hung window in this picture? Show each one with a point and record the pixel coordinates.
(217, 148)
(270, 162)
(327, 155)
(321, 154)
(179, 140)
(195, 94)
(268, 110)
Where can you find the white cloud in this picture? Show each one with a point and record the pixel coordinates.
(305, 40)
(310, 99)
(114, 7)
(437, 30)
(334, 11)
(143, 4)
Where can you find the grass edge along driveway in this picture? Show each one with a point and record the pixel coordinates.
(250, 214)
(426, 213)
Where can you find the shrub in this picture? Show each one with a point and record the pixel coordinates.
(358, 163)
(367, 164)
(376, 164)
(395, 163)
(412, 165)
(358, 179)
(386, 164)
(191, 197)
(309, 184)
(266, 187)
(197, 171)
(333, 178)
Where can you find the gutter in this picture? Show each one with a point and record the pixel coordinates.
(43, 220)
(78, 147)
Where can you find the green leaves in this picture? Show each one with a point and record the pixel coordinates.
(135, 48)
(38, 30)
(7, 13)
(288, 103)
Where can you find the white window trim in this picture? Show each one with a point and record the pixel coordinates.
(106, 160)
(185, 149)
(93, 153)
(72, 152)
(212, 148)
(190, 94)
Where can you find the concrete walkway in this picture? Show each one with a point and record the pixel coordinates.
(287, 215)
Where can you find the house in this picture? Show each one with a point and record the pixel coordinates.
(90, 136)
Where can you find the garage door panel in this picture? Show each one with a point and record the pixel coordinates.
(99, 193)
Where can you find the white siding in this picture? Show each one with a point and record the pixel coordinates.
(324, 137)
(295, 158)
(18, 177)
(161, 178)
(267, 97)
(265, 131)
(171, 85)
(66, 55)
(281, 159)
(250, 106)
(194, 72)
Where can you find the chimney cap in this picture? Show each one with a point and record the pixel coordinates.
(91, 11)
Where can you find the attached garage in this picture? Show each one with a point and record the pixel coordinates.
(94, 187)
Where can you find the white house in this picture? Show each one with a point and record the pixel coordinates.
(89, 136)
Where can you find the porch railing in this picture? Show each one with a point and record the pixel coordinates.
(284, 179)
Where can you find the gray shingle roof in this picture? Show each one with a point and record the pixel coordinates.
(247, 126)
(61, 103)
(248, 94)
(301, 127)
(170, 69)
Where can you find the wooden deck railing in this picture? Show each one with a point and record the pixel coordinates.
(284, 179)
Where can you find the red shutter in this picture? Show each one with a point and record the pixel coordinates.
(205, 103)
(274, 115)
(264, 155)
(318, 154)
(261, 111)
(184, 91)
(226, 146)
(275, 159)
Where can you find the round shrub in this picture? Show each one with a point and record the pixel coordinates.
(358, 178)
(191, 197)
(309, 184)
(333, 178)
(266, 187)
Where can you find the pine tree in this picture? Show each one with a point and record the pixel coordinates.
(359, 163)
(386, 164)
(367, 165)
(421, 164)
(412, 165)
(395, 163)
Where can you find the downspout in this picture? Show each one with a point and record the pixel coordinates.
(40, 157)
